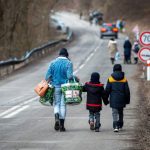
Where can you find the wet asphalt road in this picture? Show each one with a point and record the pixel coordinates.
(27, 125)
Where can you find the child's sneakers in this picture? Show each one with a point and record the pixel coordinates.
(91, 125)
(116, 130)
(96, 129)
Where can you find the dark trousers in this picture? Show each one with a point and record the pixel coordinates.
(112, 60)
(95, 116)
(117, 114)
(135, 60)
(127, 59)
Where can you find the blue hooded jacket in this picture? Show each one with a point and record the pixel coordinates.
(59, 71)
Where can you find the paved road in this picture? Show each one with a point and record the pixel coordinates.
(27, 125)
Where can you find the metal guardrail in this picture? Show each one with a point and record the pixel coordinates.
(8, 66)
(28, 55)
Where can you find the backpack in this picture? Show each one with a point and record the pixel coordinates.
(136, 48)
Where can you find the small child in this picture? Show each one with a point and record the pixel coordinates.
(119, 94)
(95, 94)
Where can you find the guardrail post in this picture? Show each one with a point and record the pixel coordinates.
(148, 70)
(43, 52)
(7, 70)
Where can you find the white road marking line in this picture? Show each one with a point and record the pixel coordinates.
(88, 58)
(81, 66)
(16, 108)
(9, 110)
(16, 112)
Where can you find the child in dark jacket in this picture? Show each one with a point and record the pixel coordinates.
(95, 95)
(119, 94)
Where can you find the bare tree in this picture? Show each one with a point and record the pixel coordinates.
(85, 5)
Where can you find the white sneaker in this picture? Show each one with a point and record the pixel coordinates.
(116, 130)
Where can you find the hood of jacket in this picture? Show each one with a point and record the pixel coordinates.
(94, 88)
(118, 75)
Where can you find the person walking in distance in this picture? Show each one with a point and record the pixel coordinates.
(112, 46)
(118, 91)
(127, 51)
(59, 72)
(95, 95)
(81, 14)
(135, 50)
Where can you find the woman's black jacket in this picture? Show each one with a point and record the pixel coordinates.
(127, 48)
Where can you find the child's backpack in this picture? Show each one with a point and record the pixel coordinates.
(136, 48)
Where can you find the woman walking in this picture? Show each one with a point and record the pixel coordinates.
(112, 46)
(127, 51)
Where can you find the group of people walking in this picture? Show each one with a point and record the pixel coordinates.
(129, 49)
(116, 93)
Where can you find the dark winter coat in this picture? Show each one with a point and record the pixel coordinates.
(95, 95)
(127, 48)
(118, 90)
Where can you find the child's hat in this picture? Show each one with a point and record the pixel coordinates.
(95, 77)
(117, 67)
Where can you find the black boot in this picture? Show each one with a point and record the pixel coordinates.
(129, 61)
(112, 60)
(135, 60)
(62, 128)
(57, 123)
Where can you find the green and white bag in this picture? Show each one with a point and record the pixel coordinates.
(72, 92)
(48, 98)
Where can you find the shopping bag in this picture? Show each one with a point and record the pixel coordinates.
(117, 56)
(72, 92)
(41, 88)
(48, 98)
